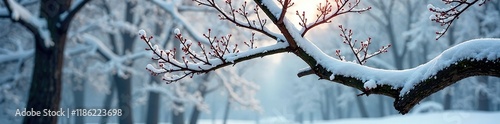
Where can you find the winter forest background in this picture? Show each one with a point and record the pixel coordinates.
(105, 60)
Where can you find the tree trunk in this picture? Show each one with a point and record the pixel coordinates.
(153, 107)
(447, 99)
(311, 117)
(178, 118)
(79, 99)
(107, 100)
(124, 89)
(483, 101)
(361, 106)
(381, 106)
(325, 107)
(226, 111)
(45, 90)
(299, 117)
(196, 112)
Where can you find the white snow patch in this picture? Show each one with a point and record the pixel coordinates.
(177, 31)
(142, 33)
(370, 84)
(447, 117)
(21, 13)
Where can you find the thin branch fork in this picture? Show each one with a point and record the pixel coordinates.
(403, 101)
(447, 16)
(326, 13)
(231, 16)
(218, 54)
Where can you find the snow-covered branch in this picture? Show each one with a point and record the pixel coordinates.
(221, 52)
(38, 26)
(115, 62)
(172, 9)
(407, 87)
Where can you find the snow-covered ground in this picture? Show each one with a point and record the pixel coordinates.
(447, 117)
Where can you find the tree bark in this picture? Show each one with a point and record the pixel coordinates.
(45, 90)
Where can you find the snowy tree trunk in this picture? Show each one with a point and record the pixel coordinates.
(226, 111)
(483, 102)
(153, 106)
(178, 117)
(45, 90)
(325, 106)
(79, 98)
(361, 106)
(123, 88)
(195, 115)
(107, 100)
(124, 84)
(447, 99)
(299, 117)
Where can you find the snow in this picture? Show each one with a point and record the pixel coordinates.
(142, 33)
(370, 84)
(448, 117)
(177, 31)
(476, 49)
(21, 13)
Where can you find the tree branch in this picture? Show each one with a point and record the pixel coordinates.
(407, 87)
(72, 12)
(446, 16)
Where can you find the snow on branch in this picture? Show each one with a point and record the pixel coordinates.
(35, 24)
(171, 8)
(115, 62)
(446, 16)
(219, 53)
(407, 87)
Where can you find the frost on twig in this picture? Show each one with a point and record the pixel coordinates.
(327, 11)
(361, 52)
(189, 61)
(446, 16)
(240, 16)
